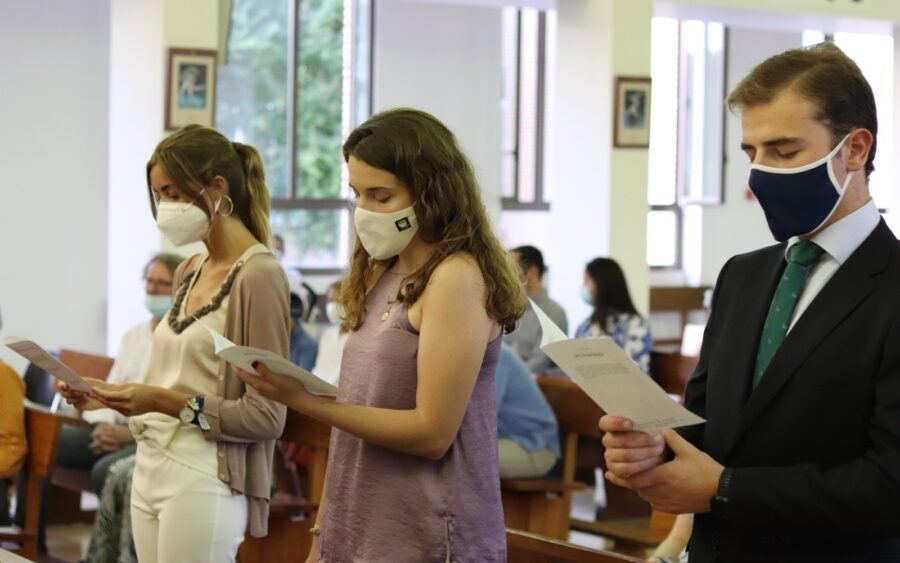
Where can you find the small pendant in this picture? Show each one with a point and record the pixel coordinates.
(385, 316)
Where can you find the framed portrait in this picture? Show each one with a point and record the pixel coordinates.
(631, 124)
(190, 88)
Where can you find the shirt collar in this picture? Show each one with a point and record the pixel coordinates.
(842, 238)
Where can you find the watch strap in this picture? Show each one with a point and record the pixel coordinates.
(719, 502)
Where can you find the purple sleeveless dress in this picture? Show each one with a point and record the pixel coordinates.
(385, 506)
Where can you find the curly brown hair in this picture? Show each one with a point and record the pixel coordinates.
(424, 154)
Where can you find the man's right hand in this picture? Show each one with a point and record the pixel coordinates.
(629, 452)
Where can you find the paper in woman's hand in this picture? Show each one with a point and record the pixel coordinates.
(244, 357)
(44, 360)
(609, 377)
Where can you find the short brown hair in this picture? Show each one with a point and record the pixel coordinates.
(825, 76)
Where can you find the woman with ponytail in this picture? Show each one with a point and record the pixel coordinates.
(205, 440)
(413, 472)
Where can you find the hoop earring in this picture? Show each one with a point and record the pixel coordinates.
(230, 206)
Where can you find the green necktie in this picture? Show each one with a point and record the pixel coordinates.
(801, 258)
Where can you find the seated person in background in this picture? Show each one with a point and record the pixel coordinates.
(12, 434)
(304, 347)
(614, 313)
(672, 549)
(109, 439)
(526, 339)
(331, 342)
(111, 537)
(527, 432)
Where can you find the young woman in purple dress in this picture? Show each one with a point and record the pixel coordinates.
(412, 471)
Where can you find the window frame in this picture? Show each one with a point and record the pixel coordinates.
(515, 202)
(292, 202)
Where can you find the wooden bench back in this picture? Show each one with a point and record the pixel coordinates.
(575, 412)
(577, 415)
(85, 364)
(42, 431)
(672, 370)
(682, 300)
(302, 430)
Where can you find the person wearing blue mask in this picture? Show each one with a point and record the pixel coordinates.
(799, 372)
(614, 314)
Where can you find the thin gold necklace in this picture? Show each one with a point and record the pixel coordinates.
(387, 312)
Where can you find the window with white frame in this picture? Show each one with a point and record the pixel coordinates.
(687, 66)
(527, 37)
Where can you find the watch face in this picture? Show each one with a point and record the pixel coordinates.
(186, 415)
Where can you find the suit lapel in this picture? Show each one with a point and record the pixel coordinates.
(741, 341)
(840, 297)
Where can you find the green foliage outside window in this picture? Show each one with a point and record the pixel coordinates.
(252, 104)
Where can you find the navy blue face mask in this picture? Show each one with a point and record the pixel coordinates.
(797, 201)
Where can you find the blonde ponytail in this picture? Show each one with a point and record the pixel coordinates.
(257, 220)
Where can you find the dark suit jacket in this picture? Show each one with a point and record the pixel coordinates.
(816, 447)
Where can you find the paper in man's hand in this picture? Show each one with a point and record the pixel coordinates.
(609, 377)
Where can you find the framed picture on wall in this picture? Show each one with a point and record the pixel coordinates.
(631, 123)
(190, 88)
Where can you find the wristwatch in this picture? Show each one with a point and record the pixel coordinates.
(723, 490)
(192, 412)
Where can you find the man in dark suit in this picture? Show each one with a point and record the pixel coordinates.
(799, 373)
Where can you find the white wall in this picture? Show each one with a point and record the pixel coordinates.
(598, 205)
(53, 153)
(141, 32)
(445, 59)
(135, 125)
(739, 225)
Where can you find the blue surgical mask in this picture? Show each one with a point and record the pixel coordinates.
(798, 201)
(586, 295)
(158, 305)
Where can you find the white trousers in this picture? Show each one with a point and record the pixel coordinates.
(181, 514)
(518, 463)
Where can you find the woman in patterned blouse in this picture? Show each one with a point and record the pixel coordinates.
(614, 313)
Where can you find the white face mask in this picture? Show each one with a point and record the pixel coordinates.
(385, 235)
(182, 223)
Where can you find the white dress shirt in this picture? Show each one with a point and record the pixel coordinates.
(839, 241)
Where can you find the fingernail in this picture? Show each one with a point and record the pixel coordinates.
(255, 364)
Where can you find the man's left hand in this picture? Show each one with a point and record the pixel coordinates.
(683, 485)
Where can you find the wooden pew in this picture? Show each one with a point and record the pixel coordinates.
(632, 536)
(68, 484)
(682, 300)
(542, 506)
(523, 547)
(292, 512)
(42, 429)
(672, 370)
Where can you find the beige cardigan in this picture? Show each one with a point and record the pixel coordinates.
(245, 424)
